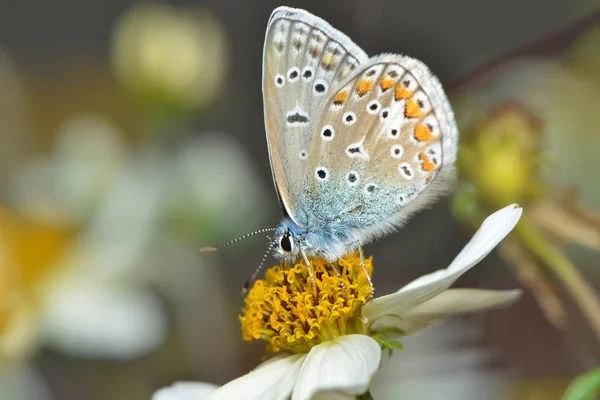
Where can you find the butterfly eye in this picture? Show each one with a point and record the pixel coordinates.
(286, 243)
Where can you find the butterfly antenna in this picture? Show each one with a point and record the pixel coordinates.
(215, 248)
(252, 279)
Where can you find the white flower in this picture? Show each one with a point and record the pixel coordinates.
(91, 293)
(343, 366)
(171, 54)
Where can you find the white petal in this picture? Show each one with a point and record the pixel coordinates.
(89, 156)
(345, 364)
(102, 321)
(490, 234)
(115, 244)
(185, 391)
(272, 380)
(452, 302)
(492, 231)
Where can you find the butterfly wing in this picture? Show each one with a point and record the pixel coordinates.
(304, 61)
(384, 146)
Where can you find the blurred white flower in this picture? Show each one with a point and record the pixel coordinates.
(170, 56)
(214, 185)
(116, 207)
(342, 351)
(97, 305)
(66, 185)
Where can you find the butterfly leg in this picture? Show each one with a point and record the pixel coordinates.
(250, 282)
(339, 275)
(310, 273)
(364, 267)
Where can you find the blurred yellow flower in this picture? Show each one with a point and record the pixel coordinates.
(29, 255)
(502, 157)
(527, 136)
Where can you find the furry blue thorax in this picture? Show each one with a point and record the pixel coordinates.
(330, 240)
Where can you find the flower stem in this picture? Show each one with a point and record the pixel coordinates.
(564, 270)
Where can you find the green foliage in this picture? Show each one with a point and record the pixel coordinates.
(387, 343)
(584, 387)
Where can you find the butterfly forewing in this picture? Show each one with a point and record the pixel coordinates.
(384, 137)
(305, 61)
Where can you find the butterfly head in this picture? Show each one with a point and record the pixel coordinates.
(287, 241)
(330, 242)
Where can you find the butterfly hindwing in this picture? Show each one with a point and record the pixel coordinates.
(383, 137)
(305, 61)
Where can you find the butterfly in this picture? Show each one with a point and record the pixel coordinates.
(356, 144)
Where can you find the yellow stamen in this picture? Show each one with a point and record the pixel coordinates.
(283, 310)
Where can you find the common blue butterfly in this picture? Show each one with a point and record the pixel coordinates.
(356, 144)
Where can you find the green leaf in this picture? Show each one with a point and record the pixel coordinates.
(584, 387)
(387, 343)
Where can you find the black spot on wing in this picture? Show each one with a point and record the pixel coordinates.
(297, 118)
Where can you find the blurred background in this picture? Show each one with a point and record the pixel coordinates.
(131, 135)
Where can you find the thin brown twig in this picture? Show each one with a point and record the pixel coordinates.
(531, 275)
(565, 271)
(551, 44)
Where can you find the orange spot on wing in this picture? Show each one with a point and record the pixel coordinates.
(427, 165)
(429, 178)
(422, 133)
(402, 92)
(386, 83)
(363, 86)
(412, 109)
(340, 98)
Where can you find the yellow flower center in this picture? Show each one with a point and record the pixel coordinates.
(293, 313)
